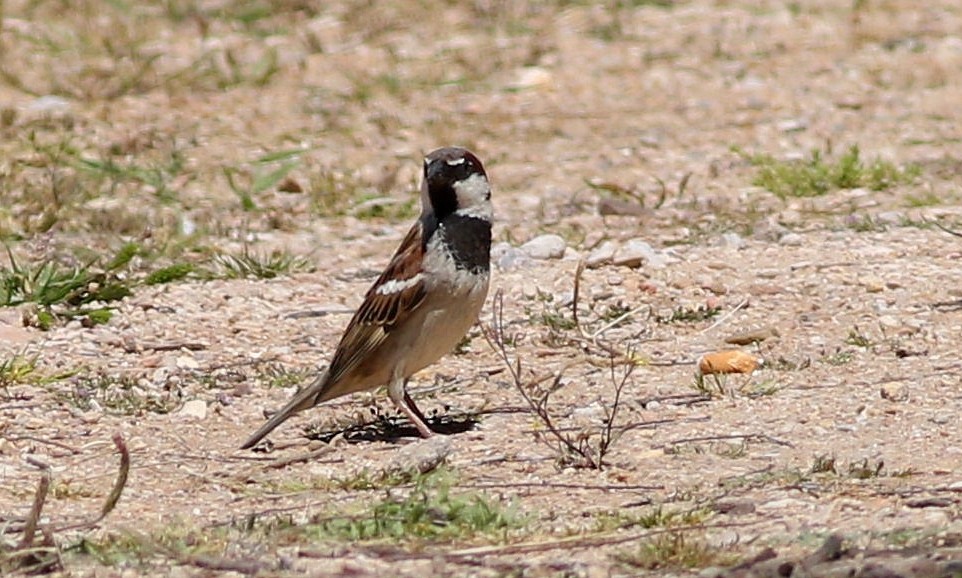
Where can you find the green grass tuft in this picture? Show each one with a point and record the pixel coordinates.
(819, 175)
(66, 291)
(249, 264)
(429, 511)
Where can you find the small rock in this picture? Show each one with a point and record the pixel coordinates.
(763, 289)
(734, 507)
(769, 230)
(506, 257)
(601, 254)
(792, 125)
(732, 241)
(187, 362)
(872, 284)
(636, 252)
(544, 247)
(894, 391)
(194, 408)
(531, 77)
(614, 280)
(421, 457)
(791, 240)
(49, 104)
(750, 337)
(620, 207)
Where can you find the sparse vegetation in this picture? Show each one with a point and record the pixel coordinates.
(859, 339)
(17, 369)
(819, 174)
(430, 510)
(676, 550)
(252, 264)
(117, 394)
(689, 314)
(66, 291)
(231, 141)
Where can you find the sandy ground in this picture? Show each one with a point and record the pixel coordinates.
(851, 426)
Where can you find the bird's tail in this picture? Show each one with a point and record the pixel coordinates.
(304, 399)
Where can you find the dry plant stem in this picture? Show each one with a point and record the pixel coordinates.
(111, 502)
(725, 317)
(590, 458)
(39, 498)
(751, 436)
(609, 436)
(566, 543)
(494, 334)
(593, 338)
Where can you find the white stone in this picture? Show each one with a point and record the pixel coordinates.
(545, 247)
(194, 408)
(636, 252)
(791, 240)
(601, 254)
(187, 362)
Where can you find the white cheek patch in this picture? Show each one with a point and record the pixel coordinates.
(473, 197)
(398, 285)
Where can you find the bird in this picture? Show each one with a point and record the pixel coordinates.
(425, 300)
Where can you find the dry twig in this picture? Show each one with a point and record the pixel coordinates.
(580, 447)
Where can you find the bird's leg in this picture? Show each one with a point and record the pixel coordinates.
(397, 391)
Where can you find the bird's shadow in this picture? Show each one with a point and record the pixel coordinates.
(393, 428)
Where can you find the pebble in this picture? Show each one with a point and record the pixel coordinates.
(636, 252)
(187, 362)
(791, 240)
(531, 77)
(508, 258)
(544, 247)
(49, 104)
(894, 391)
(732, 241)
(792, 125)
(734, 506)
(753, 336)
(420, 457)
(194, 408)
(601, 254)
(872, 284)
(769, 230)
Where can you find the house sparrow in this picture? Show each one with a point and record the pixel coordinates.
(423, 303)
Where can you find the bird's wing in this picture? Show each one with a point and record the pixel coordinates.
(391, 299)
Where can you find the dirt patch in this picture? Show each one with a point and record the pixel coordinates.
(288, 137)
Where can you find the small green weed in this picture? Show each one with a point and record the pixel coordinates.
(676, 549)
(17, 369)
(169, 274)
(840, 357)
(250, 264)
(819, 175)
(262, 175)
(655, 517)
(279, 375)
(689, 314)
(926, 199)
(428, 511)
(117, 394)
(858, 339)
(62, 291)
